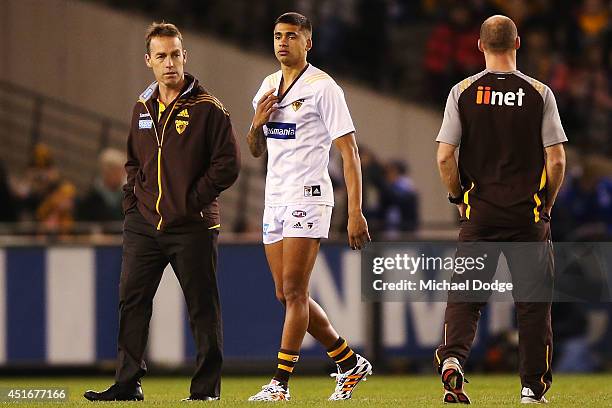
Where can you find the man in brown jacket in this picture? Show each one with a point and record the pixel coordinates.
(182, 154)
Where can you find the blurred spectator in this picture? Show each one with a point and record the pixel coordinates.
(585, 102)
(583, 85)
(537, 59)
(400, 200)
(8, 207)
(583, 210)
(451, 52)
(517, 10)
(41, 178)
(600, 121)
(589, 24)
(331, 30)
(404, 11)
(389, 197)
(570, 325)
(593, 18)
(373, 175)
(103, 201)
(56, 212)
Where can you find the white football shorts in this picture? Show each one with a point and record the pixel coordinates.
(296, 221)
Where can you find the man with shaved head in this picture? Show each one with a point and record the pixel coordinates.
(498, 35)
(504, 183)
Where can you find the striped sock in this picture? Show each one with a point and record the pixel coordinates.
(286, 363)
(342, 355)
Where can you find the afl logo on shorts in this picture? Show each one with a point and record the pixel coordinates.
(299, 213)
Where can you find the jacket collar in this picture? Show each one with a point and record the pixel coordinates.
(152, 90)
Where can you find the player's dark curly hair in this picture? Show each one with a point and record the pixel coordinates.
(296, 19)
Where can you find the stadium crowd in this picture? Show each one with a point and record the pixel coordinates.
(413, 49)
(390, 197)
(42, 201)
(419, 49)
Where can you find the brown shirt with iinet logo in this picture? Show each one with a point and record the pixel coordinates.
(502, 122)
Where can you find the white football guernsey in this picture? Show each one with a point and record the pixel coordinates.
(310, 115)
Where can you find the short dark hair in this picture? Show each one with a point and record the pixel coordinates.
(498, 34)
(162, 29)
(295, 19)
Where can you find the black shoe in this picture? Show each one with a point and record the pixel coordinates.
(198, 398)
(117, 392)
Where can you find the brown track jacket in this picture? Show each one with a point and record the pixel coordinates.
(178, 165)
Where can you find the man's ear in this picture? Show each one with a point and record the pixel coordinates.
(517, 43)
(308, 44)
(184, 56)
(480, 46)
(148, 60)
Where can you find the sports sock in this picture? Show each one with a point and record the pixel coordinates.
(286, 363)
(342, 355)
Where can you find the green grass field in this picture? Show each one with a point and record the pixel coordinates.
(378, 391)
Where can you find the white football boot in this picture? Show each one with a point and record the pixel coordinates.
(347, 381)
(274, 391)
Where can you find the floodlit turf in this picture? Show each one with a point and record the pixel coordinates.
(378, 391)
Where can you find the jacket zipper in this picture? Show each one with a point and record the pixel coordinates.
(159, 157)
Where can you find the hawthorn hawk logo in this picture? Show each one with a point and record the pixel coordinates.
(181, 124)
(297, 104)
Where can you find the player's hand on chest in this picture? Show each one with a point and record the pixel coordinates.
(296, 108)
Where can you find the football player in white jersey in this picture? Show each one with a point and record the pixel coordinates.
(299, 112)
